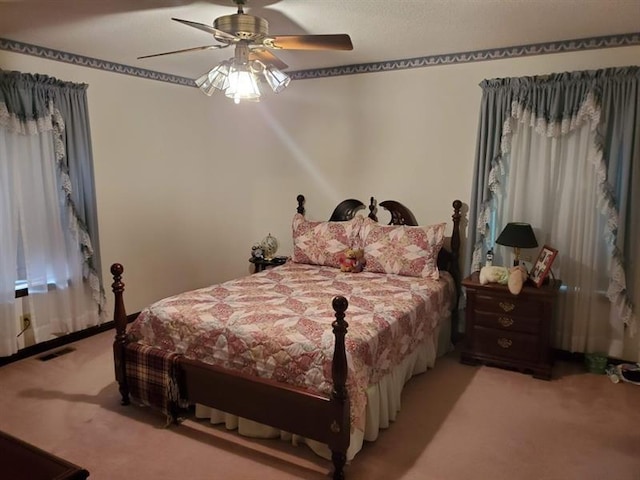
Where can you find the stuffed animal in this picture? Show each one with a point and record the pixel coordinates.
(513, 277)
(352, 260)
(494, 274)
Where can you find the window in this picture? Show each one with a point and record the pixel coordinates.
(43, 233)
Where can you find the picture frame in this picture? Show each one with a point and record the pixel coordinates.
(542, 267)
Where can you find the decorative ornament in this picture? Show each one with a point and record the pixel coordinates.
(269, 246)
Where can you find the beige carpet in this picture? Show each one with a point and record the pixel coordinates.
(457, 423)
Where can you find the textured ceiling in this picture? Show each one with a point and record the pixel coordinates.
(121, 30)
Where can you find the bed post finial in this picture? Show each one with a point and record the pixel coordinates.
(300, 208)
(120, 342)
(372, 209)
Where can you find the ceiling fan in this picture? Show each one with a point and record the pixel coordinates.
(250, 35)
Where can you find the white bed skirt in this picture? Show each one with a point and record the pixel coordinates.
(383, 401)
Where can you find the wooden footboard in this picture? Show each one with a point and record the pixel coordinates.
(322, 418)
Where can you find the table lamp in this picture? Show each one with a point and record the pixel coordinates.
(517, 235)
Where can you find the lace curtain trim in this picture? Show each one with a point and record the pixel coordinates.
(589, 111)
(16, 125)
(53, 121)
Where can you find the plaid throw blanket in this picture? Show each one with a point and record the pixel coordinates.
(152, 378)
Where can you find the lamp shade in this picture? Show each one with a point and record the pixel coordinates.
(518, 235)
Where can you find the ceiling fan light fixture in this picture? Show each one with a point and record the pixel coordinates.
(253, 61)
(242, 84)
(277, 79)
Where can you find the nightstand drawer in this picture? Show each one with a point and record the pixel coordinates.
(512, 345)
(507, 322)
(513, 306)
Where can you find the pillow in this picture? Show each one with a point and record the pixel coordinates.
(402, 249)
(322, 243)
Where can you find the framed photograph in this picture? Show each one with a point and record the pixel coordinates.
(543, 264)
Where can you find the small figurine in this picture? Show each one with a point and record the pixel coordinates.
(489, 258)
(517, 277)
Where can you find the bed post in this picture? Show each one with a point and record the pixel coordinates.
(300, 199)
(372, 209)
(339, 394)
(454, 267)
(455, 240)
(120, 342)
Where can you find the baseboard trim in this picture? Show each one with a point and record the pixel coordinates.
(579, 357)
(61, 341)
(567, 356)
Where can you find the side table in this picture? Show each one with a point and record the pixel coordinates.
(261, 263)
(507, 330)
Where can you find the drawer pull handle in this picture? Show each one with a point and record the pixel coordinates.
(504, 342)
(507, 306)
(505, 321)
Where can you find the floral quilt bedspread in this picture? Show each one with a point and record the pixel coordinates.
(277, 324)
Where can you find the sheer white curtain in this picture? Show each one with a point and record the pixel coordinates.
(33, 209)
(550, 180)
(562, 152)
(8, 257)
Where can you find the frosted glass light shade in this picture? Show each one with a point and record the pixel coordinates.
(277, 79)
(242, 84)
(216, 79)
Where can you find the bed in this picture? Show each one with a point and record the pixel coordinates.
(280, 335)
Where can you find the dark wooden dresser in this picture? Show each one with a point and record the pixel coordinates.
(22, 461)
(509, 330)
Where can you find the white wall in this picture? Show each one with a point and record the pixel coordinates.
(186, 183)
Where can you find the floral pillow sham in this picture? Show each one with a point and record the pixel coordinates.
(323, 243)
(402, 249)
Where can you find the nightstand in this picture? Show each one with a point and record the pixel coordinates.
(509, 330)
(262, 263)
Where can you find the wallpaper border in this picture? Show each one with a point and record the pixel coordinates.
(66, 57)
(592, 43)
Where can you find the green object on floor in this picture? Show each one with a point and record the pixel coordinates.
(596, 362)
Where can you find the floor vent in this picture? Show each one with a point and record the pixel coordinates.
(58, 353)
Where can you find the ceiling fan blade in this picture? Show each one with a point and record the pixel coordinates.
(266, 57)
(209, 29)
(193, 49)
(340, 41)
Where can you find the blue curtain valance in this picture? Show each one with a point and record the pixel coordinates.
(559, 95)
(27, 96)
